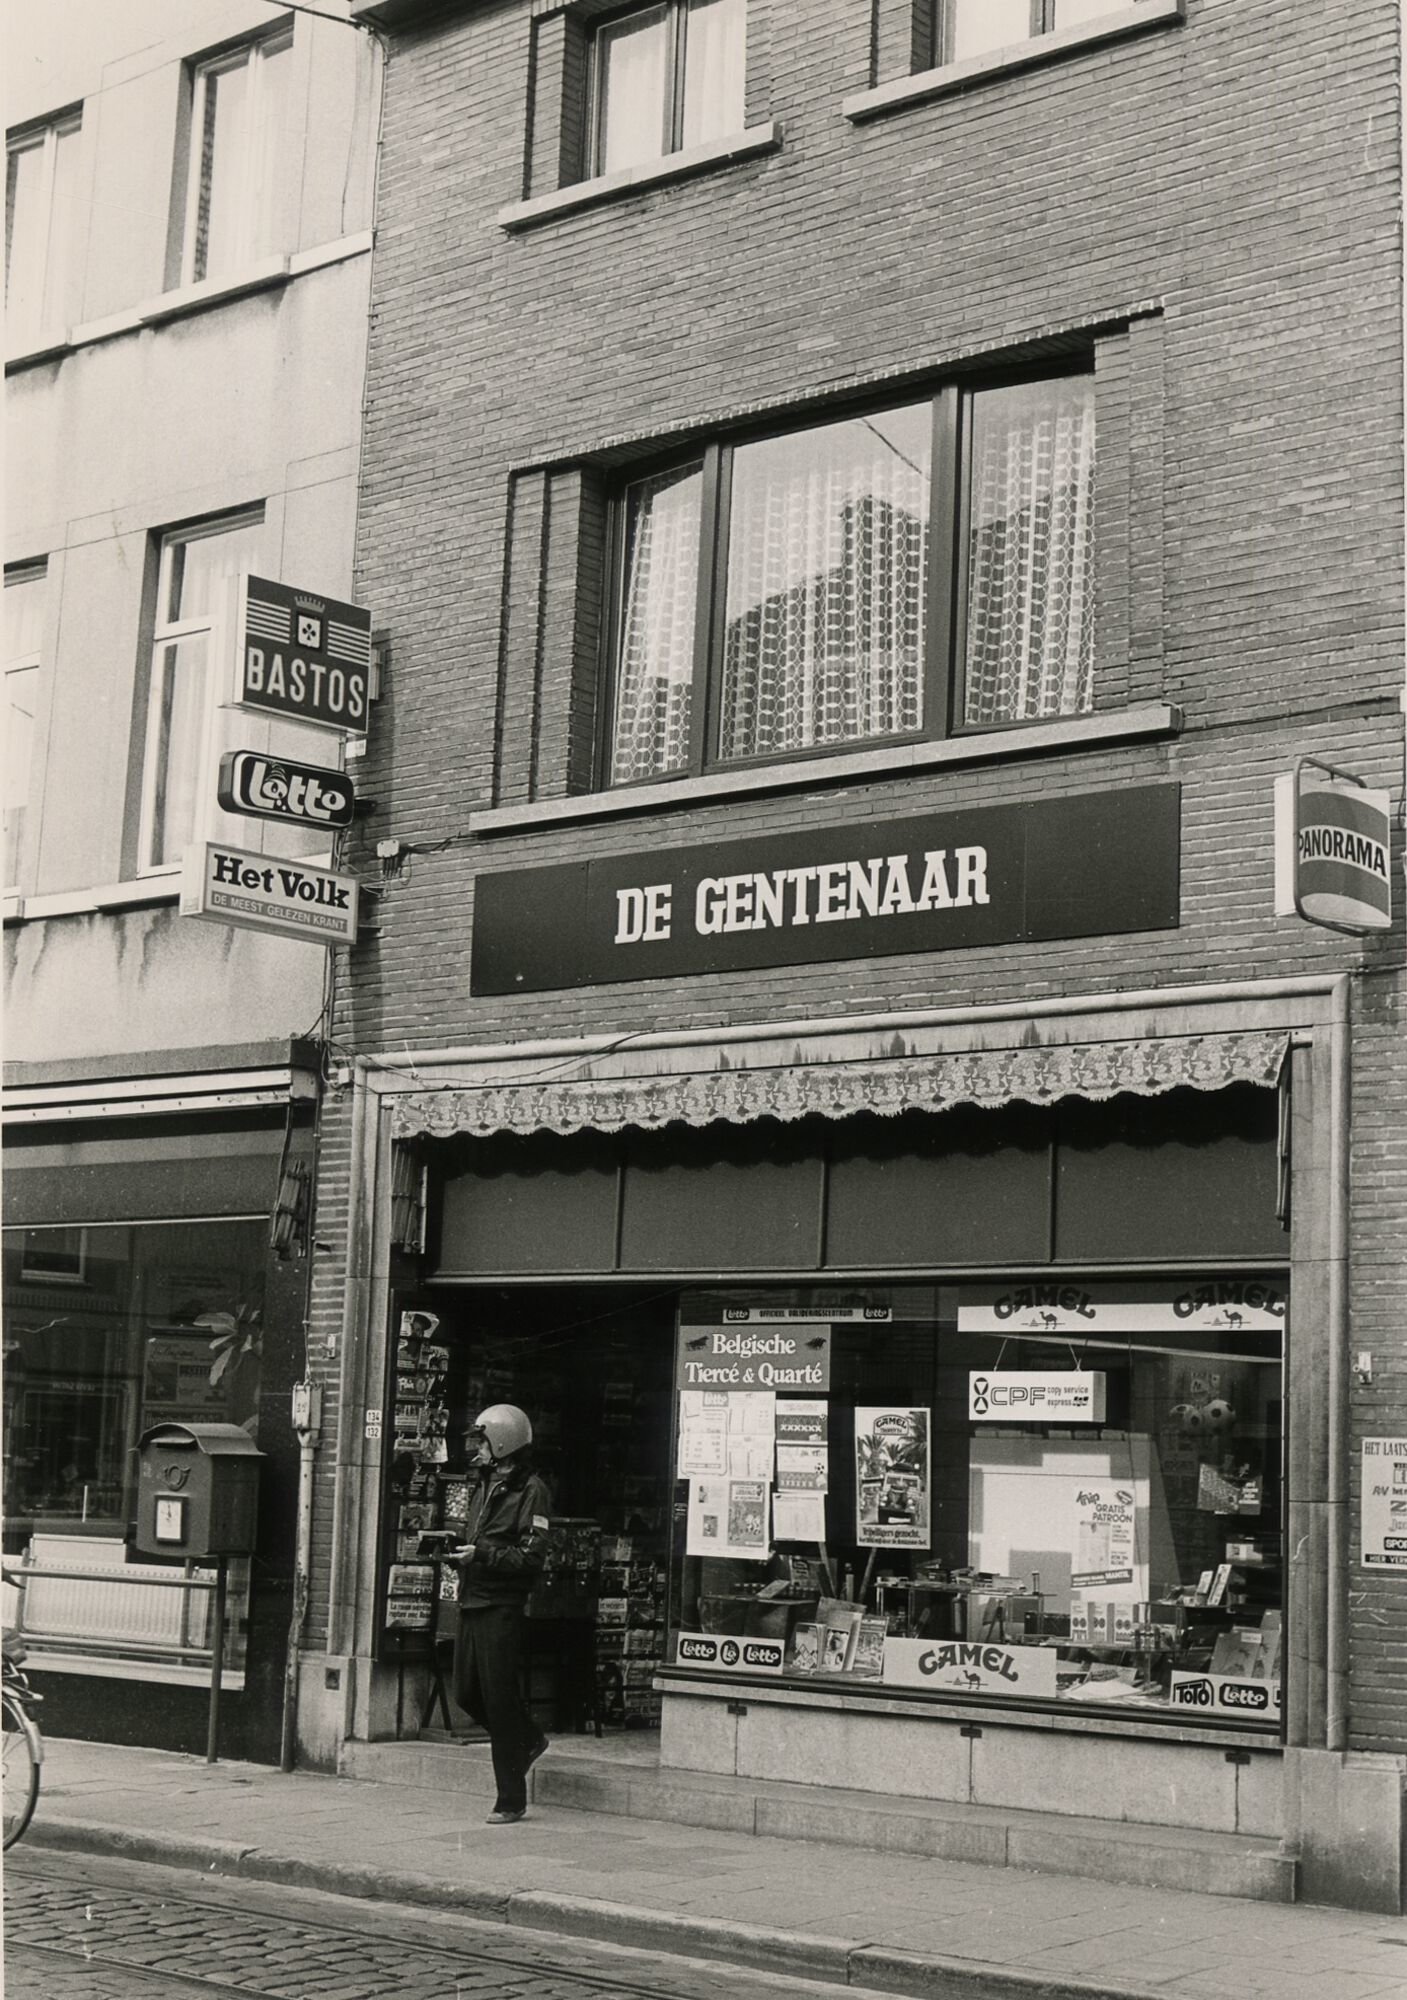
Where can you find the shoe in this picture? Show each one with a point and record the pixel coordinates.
(543, 1743)
(500, 1818)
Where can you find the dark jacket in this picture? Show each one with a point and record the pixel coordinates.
(507, 1523)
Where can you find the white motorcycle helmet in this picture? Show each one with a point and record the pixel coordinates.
(504, 1428)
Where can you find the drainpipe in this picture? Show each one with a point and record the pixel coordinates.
(307, 1421)
(1337, 1552)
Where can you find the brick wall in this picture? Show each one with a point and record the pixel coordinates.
(1218, 200)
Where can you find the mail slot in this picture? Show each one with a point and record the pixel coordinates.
(197, 1490)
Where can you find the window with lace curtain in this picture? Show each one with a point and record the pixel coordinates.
(908, 571)
(665, 78)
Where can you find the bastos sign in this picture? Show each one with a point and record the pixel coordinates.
(1099, 863)
(304, 656)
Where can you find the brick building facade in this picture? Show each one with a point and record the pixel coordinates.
(645, 285)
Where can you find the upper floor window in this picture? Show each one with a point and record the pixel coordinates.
(235, 185)
(25, 599)
(41, 215)
(963, 28)
(196, 565)
(666, 78)
(912, 571)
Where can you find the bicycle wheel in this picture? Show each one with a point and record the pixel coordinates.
(21, 1766)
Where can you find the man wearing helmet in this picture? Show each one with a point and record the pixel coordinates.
(499, 1561)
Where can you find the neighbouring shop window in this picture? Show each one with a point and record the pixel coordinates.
(666, 78)
(800, 592)
(1066, 1492)
(109, 1330)
(236, 180)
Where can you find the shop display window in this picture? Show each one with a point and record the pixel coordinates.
(109, 1330)
(1062, 1492)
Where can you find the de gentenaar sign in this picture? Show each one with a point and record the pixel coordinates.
(1098, 863)
(304, 655)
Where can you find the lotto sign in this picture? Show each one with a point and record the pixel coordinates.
(274, 788)
(1220, 1694)
(751, 1656)
(230, 886)
(1031, 1395)
(304, 655)
(1383, 1503)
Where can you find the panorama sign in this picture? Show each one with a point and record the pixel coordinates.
(1343, 835)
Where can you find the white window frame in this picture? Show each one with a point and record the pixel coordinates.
(17, 575)
(217, 625)
(676, 27)
(46, 137)
(253, 54)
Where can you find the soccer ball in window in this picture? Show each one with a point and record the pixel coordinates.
(1217, 1415)
(1186, 1416)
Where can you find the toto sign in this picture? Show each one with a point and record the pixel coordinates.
(274, 788)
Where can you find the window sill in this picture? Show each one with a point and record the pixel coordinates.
(269, 275)
(1123, 725)
(1136, 18)
(669, 167)
(107, 897)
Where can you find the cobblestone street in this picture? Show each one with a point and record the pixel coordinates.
(78, 1929)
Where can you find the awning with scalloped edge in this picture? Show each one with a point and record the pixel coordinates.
(836, 1088)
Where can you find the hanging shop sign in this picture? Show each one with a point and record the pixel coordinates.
(1095, 864)
(1333, 836)
(794, 1357)
(228, 885)
(1035, 1395)
(1342, 836)
(1203, 1305)
(1383, 1503)
(267, 787)
(970, 1667)
(304, 655)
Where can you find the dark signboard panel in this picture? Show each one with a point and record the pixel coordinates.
(1098, 864)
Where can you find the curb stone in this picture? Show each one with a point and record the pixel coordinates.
(758, 1946)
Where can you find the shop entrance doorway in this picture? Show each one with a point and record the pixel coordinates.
(592, 1367)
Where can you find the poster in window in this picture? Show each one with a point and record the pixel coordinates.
(729, 1517)
(892, 1478)
(1103, 1537)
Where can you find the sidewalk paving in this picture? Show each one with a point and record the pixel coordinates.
(893, 1922)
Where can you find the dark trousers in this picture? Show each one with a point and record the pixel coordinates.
(488, 1685)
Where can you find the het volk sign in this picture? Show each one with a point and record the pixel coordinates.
(229, 885)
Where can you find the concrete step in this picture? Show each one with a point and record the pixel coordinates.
(1168, 1857)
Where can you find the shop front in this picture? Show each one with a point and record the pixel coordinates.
(928, 1407)
(154, 1273)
